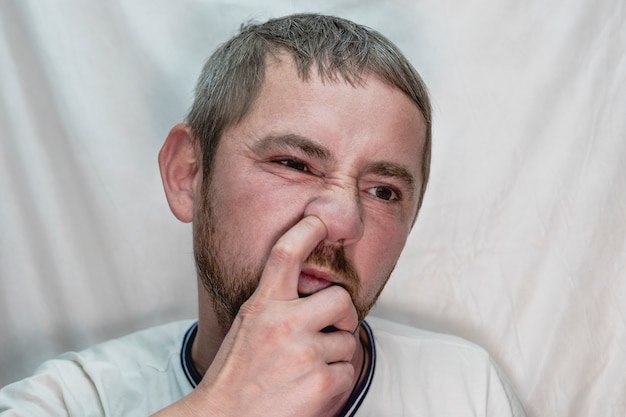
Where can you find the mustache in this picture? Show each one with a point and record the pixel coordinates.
(334, 259)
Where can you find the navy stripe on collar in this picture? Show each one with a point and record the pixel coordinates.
(191, 373)
(354, 402)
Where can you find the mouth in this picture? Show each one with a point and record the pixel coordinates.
(312, 280)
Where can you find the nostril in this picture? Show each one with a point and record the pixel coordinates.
(340, 210)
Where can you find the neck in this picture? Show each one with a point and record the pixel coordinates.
(210, 334)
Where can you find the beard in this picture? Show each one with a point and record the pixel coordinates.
(230, 282)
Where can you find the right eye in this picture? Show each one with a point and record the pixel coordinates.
(294, 164)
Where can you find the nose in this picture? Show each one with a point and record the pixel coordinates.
(340, 210)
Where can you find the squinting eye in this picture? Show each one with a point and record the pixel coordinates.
(384, 193)
(294, 164)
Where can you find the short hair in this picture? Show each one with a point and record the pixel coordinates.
(340, 49)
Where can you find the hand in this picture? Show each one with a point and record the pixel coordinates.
(275, 360)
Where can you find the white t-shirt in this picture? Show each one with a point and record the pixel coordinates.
(412, 373)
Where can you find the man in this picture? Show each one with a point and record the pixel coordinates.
(302, 165)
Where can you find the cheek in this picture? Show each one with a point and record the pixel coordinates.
(252, 213)
(377, 254)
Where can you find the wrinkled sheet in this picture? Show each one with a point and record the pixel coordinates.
(520, 245)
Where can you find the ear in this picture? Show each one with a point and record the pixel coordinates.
(180, 172)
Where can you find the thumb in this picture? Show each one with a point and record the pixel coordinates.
(279, 280)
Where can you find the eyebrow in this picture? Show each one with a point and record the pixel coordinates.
(293, 141)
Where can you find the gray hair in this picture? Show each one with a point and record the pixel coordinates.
(340, 49)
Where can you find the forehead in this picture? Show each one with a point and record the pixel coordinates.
(370, 118)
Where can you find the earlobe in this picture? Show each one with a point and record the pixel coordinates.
(180, 171)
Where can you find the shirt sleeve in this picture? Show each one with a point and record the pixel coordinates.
(59, 388)
(501, 400)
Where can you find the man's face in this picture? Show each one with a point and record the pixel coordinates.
(350, 155)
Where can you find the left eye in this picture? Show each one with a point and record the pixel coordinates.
(384, 193)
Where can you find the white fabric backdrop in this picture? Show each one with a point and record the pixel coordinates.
(520, 245)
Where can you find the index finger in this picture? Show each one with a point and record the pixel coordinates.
(279, 280)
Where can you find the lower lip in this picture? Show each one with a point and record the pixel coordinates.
(308, 284)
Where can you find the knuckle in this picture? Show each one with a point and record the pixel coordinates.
(279, 327)
(350, 343)
(251, 308)
(324, 381)
(308, 354)
(342, 297)
(283, 253)
(328, 382)
(269, 328)
(344, 381)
